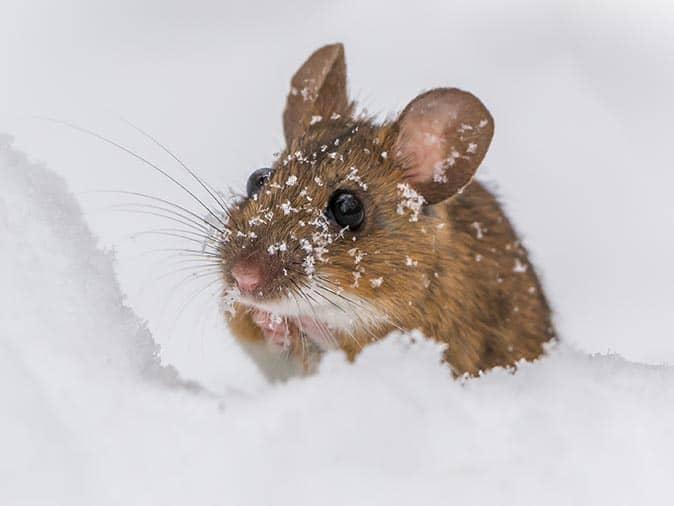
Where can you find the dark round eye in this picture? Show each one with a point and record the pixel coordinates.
(257, 180)
(346, 209)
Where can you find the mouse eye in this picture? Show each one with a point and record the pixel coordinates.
(257, 180)
(346, 209)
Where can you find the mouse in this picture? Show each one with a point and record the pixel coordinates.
(359, 228)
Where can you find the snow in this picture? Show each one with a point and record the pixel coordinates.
(89, 416)
(410, 201)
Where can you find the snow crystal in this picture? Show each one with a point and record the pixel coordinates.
(410, 200)
(305, 193)
(479, 232)
(519, 266)
(357, 255)
(229, 298)
(440, 173)
(287, 208)
(320, 251)
(307, 93)
(353, 176)
(306, 245)
(275, 248)
(309, 265)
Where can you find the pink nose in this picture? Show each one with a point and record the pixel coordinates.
(248, 276)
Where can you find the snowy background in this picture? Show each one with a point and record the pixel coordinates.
(581, 95)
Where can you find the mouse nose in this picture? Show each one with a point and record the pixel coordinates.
(248, 276)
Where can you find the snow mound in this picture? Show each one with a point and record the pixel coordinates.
(61, 297)
(90, 417)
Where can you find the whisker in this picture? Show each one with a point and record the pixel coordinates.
(329, 301)
(185, 232)
(306, 297)
(183, 252)
(299, 324)
(356, 314)
(195, 271)
(362, 308)
(180, 161)
(179, 285)
(169, 234)
(167, 202)
(175, 260)
(193, 261)
(138, 157)
(192, 296)
(139, 209)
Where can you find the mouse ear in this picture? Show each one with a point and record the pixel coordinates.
(443, 135)
(318, 89)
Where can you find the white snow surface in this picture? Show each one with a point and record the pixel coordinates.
(90, 417)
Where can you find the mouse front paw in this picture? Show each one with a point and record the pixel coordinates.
(283, 334)
(276, 330)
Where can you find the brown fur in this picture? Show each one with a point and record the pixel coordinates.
(459, 273)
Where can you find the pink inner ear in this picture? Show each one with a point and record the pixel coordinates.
(424, 137)
(425, 150)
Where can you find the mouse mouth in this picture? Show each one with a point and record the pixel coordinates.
(301, 311)
(319, 316)
(278, 329)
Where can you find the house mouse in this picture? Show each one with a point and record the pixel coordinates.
(359, 228)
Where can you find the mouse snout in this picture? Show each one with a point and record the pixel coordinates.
(248, 276)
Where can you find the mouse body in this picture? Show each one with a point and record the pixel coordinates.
(360, 228)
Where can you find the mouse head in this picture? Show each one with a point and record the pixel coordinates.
(341, 226)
